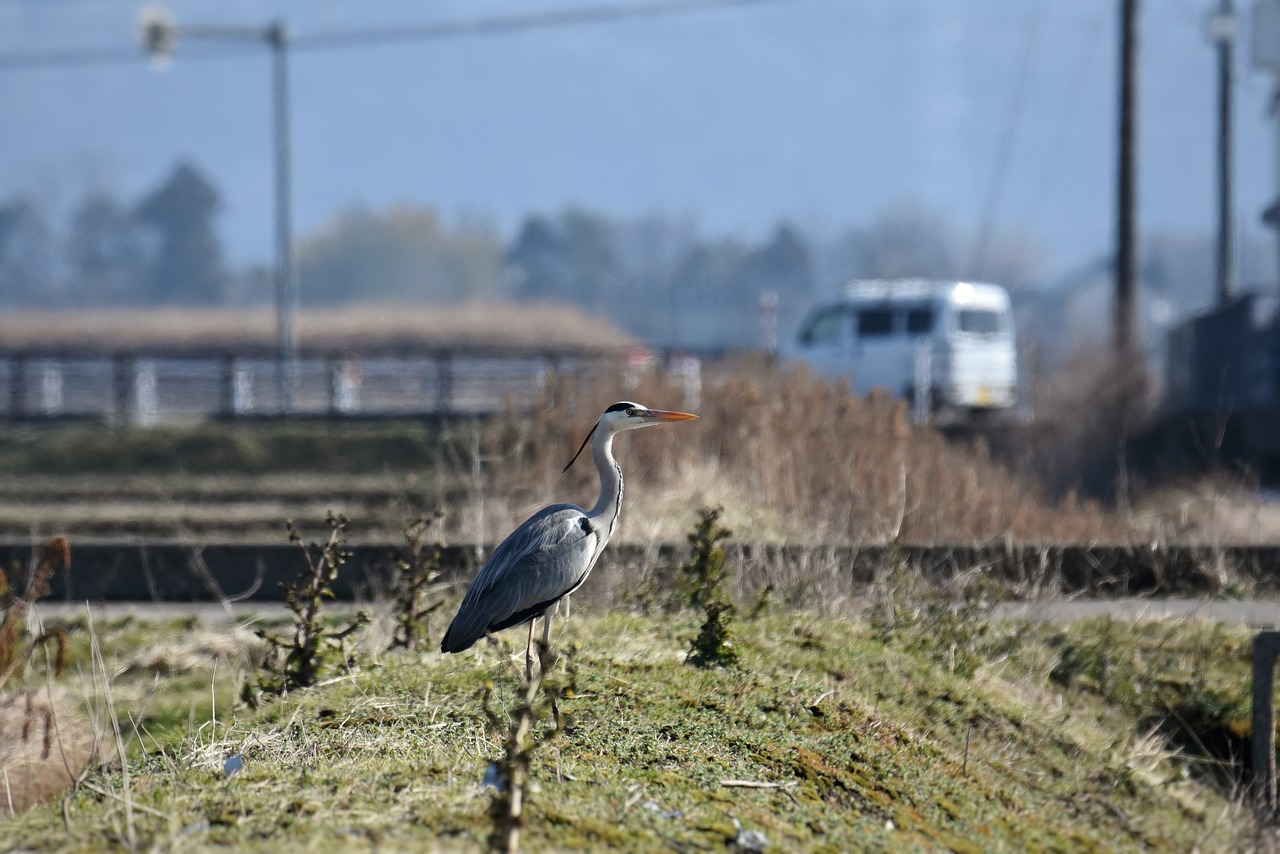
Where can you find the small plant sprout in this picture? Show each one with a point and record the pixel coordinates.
(699, 582)
(417, 568)
(314, 649)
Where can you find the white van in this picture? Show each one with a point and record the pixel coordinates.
(952, 340)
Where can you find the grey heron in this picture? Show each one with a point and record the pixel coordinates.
(552, 552)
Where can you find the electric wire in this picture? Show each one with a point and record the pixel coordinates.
(349, 39)
(979, 260)
(1066, 118)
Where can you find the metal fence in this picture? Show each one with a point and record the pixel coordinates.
(144, 390)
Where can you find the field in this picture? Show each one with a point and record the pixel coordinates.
(890, 716)
(366, 327)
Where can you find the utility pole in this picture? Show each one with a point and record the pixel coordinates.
(159, 35)
(1266, 57)
(1222, 31)
(1127, 190)
(286, 277)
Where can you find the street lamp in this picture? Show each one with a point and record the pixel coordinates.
(159, 34)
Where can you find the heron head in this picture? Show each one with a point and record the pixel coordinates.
(628, 415)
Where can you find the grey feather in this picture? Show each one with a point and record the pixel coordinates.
(542, 561)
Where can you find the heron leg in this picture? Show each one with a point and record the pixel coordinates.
(528, 654)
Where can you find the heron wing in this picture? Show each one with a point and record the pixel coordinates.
(548, 556)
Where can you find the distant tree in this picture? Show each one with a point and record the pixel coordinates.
(567, 259)
(594, 262)
(27, 269)
(185, 265)
(539, 261)
(711, 270)
(714, 296)
(909, 240)
(105, 253)
(782, 265)
(401, 253)
(717, 287)
(646, 251)
(904, 240)
(1013, 260)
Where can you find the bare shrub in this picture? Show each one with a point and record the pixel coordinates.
(315, 648)
(416, 573)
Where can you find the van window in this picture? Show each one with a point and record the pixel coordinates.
(980, 321)
(919, 321)
(875, 321)
(826, 329)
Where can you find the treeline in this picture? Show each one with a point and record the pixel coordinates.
(656, 276)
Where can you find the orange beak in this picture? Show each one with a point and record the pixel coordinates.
(664, 415)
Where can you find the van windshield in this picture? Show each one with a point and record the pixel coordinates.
(980, 321)
(826, 329)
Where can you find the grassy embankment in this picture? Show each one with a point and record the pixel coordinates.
(899, 731)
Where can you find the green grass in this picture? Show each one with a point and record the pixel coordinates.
(861, 739)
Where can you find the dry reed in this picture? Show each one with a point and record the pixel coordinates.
(783, 445)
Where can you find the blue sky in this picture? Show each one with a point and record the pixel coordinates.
(823, 112)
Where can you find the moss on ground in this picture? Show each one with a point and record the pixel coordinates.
(832, 736)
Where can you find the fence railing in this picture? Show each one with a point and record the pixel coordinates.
(150, 389)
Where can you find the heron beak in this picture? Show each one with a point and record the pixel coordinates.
(663, 415)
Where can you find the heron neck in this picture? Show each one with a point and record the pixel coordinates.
(610, 501)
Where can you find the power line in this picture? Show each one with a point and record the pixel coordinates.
(1006, 145)
(500, 25)
(348, 39)
(70, 58)
(1066, 117)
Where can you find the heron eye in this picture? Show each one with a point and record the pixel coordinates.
(630, 411)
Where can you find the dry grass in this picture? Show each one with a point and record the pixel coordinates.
(831, 738)
(46, 742)
(490, 326)
(791, 457)
(1215, 510)
(1087, 414)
